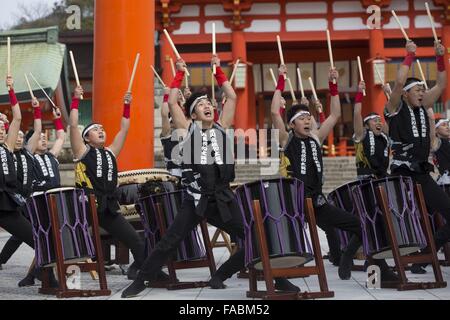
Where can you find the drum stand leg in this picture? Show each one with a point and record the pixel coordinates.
(63, 291)
(173, 283)
(270, 274)
(427, 255)
(225, 243)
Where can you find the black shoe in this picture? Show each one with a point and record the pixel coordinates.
(134, 289)
(345, 267)
(28, 281)
(335, 260)
(132, 271)
(389, 275)
(283, 284)
(417, 268)
(216, 283)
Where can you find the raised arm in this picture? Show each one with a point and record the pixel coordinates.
(37, 126)
(434, 140)
(335, 107)
(357, 116)
(178, 116)
(431, 96)
(402, 75)
(277, 120)
(165, 123)
(14, 126)
(119, 139)
(76, 141)
(229, 108)
(60, 133)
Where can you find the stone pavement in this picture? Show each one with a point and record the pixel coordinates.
(353, 289)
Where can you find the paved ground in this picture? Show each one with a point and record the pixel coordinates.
(353, 289)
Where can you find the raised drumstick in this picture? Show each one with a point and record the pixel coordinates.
(400, 25)
(174, 48)
(432, 22)
(280, 51)
(330, 52)
(172, 66)
(29, 87)
(381, 80)
(273, 77)
(294, 99)
(214, 44)
(75, 72)
(157, 76)
(136, 61)
(299, 74)
(311, 83)
(422, 74)
(361, 73)
(45, 93)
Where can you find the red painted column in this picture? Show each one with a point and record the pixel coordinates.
(121, 31)
(376, 99)
(166, 54)
(239, 50)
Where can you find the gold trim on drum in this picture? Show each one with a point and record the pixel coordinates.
(129, 212)
(144, 175)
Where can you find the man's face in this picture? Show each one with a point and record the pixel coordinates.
(42, 144)
(19, 141)
(414, 96)
(203, 111)
(302, 125)
(96, 136)
(443, 130)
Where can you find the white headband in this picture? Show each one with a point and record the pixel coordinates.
(372, 116)
(441, 122)
(299, 114)
(89, 128)
(409, 86)
(193, 104)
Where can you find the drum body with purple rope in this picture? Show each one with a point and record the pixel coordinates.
(191, 248)
(282, 209)
(342, 198)
(72, 212)
(404, 215)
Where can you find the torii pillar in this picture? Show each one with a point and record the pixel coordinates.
(123, 29)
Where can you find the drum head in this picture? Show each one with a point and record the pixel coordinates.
(286, 261)
(404, 251)
(144, 175)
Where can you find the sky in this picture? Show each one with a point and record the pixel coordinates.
(9, 10)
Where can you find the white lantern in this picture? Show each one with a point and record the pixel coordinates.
(240, 79)
(379, 73)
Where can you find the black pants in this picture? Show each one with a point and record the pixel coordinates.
(436, 200)
(119, 228)
(17, 225)
(183, 223)
(329, 216)
(11, 245)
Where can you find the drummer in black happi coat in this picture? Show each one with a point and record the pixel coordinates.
(441, 151)
(208, 169)
(412, 131)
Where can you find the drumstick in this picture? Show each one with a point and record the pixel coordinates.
(400, 25)
(174, 48)
(311, 83)
(294, 99)
(361, 73)
(157, 76)
(432, 22)
(75, 72)
(273, 77)
(45, 93)
(421, 74)
(299, 74)
(186, 80)
(330, 52)
(134, 72)
(280, 51)
(214, 44)
(172, 66)
(381, 80)
(8, 45)
(29, 87)
(213, 94)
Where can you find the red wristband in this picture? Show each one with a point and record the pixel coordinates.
(126, 111)
(58, 124)
(75, 103)
(12, 97)
(166, 98)
(333, 88)
(359, 97)
(440, 63)
(409, 59)
(321, 117)
(176, 83)
(281, 83)
(220, 76)
(37, 113)
(282, 112)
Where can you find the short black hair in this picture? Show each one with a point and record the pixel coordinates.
(294, 109)
(411, 80)
(28, 135)
(187, 105)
